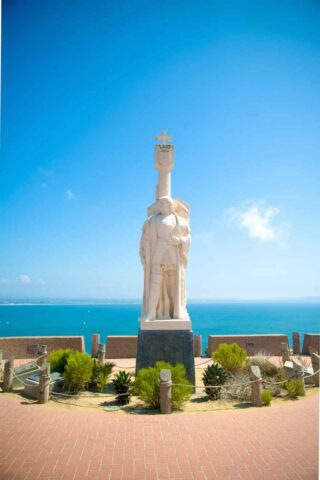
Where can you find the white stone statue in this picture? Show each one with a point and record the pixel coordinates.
(164, 247)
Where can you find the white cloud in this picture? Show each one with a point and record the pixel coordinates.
(24, 279)
(70, 195)
(4, 281)
(40, 281)
(259, 221)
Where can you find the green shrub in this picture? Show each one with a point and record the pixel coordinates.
(122, 383)
(78, 371)
(295, 388)
(147, 385)
(231, 357)
(58, 359)
(100, 374)
(214, 375)
(266, 397)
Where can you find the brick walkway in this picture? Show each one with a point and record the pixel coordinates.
(42, 442)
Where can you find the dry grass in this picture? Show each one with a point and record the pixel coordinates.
(267, 368)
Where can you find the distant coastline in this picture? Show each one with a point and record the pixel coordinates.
(97, 301)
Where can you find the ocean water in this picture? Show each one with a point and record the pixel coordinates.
(122, 319)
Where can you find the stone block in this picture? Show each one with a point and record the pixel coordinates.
(22, 372)
(197, 341)
(311, 340)
(172, 324)
(126, 346)
(315, 359)
(296, 345)
(121, 346)
(288, 369)
(95, 340)
(31, 389)
(173, 346)
(256, 387)
(28, 347)
(285, 352)
(101, 352)
(165, 391)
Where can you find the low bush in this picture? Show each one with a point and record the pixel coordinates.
(266, 397)
(295, 388)
(147, 385)
(100, 374)
(214, 376)
(231, 357)
(78, 371)
(275, 387)
(58, 359)
(238, 387)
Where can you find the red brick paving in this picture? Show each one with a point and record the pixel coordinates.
(48, 443)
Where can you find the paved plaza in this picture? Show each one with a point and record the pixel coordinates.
(50, 443)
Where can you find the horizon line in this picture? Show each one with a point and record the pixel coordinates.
(112, 301)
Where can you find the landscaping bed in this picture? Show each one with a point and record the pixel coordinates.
(224, 382)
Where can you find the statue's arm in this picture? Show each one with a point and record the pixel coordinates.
(185, 242)
(145, 244)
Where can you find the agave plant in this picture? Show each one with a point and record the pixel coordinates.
(214, 376)
(121, 384)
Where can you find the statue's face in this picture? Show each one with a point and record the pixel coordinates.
(166, 207)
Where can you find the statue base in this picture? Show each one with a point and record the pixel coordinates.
(172, 324)
(172, 346)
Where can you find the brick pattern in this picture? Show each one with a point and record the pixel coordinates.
(126, 346)
(271, 344)
(311, 340)
(22, 347)
(50, 443)
(121, 346)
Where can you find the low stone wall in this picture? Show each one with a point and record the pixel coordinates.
(126, 346)
(311, 340)
(270, 344)
(27, 347)
(121, 346)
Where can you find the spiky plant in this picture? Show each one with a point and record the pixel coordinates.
(214, 375)
(121, 384)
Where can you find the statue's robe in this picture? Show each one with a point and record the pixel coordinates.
(156, 249)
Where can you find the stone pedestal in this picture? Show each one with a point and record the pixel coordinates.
(173, 346)
(170, 324)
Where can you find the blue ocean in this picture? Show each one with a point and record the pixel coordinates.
(122, 319)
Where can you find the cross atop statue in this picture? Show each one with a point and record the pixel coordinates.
(163, 138)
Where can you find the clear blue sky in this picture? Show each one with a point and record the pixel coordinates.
(87, 85)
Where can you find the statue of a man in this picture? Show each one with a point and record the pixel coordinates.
(164, 247)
